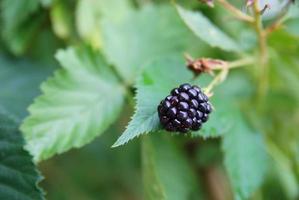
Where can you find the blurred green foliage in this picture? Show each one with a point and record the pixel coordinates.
(117, 56)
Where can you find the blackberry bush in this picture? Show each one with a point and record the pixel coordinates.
(114, 63)
(186, 108)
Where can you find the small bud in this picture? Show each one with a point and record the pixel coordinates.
(204, 65)
(249, 3)
(210, 3)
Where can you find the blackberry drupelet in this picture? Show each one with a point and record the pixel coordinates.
(186, 108)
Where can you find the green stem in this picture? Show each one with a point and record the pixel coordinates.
(241, 62)
(235, 11)
(263, 53)
(235, 64)
(221, 76)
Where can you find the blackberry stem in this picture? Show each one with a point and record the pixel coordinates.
(263, 52)
(221, 76)
(236, 12)
(237, 63)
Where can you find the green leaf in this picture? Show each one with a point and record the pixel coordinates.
(293, 12)
(166, 172)
(236, 86)
(155, 83)
(20, 80)
(18, 31)
(46, 3)
(245, 159)
(219, 122)
(131, 49)
(21, 8)
(18, 175)
(284, 170)
(205, 30)
(89, 14)
(61, 19)
(77, 104)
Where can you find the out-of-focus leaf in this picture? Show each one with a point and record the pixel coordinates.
(275, 9)
(282, 106)
(291, 22)
(245, 158)
(293, 11)
(154, 85)
(90, 12)
(283, 168)
(44, 47)
(15, 12)
(20, 82)
(166, 172)
(19, 23)
(284, 63)
(18, 175)
(206, 31)
(292, 26)
(146, 34)
(233, 90)
(77, 104)
(19, 85)
(242, 34)
(19, 39)
(61, 18)
(46, 3)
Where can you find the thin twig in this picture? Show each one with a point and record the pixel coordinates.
(236, 12)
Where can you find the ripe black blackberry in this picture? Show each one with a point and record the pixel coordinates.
(186, 108)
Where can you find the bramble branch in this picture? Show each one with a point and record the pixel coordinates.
(263, 53)
(236, 12)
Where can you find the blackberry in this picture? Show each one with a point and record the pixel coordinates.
(185, 109)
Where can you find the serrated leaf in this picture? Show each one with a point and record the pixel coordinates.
(206, 31)
(77, 104)
(166, 172)
(18, 175)
(219, 122)
(143, 38)
(245, 159)
(155, 83)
